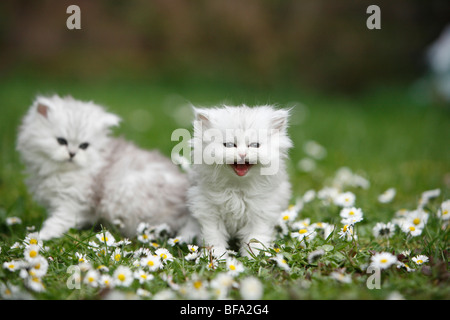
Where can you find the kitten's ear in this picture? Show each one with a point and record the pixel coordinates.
(280, 119)
(202, 116)
(42, 109)
(111, 120)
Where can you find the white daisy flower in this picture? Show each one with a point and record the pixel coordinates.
(419, 218)
(251, 289)
(31, 252)
(142, 276)
(92, 278)
(13, 265)
(105, 237)
(193, 252)
(347, 232)
(234, 267)
(116, 256)
(383, 260)
(151, 262)
(123, 276)
(427, 196)
(420, 259)
(444, 210)
(164, 254)
(143, 293)
(281, 262)
(383, 230)
(33, 238)
(13, 220)
(341, 277)
(345, 199)
(34, 283)
(81, 257)
(38, 267)
(175, 241)
(387, 196)
(106, 281)
(351, 215)
(410, 229)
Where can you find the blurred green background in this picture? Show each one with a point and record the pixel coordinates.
(363, 94)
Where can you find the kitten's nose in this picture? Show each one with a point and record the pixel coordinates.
(72, 154)
(242, 155)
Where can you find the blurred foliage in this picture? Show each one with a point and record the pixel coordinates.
(318, 43)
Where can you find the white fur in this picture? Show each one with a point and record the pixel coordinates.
(111, 179)
(225, 204)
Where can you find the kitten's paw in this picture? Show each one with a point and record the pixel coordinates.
(48, 234)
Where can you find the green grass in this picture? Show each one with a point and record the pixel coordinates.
(382, 135)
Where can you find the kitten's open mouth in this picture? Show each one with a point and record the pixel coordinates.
(241, 169)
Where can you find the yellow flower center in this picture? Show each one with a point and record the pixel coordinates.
(445, 212)
(104, 239)
(197, 284)
(383, 260)
(144, 236)
(286, 217)
(91, 279)
(412, 228)
(150, 263)
(143, 276)
(302, 231)
(345, 228)
(232, 267)
(163, 255)
(419, 261)
(33, 241)
(351, 213)
(33, 253)
(117, 257)
(121, 277)
(11, 266)
(416, 221)
(37, 266)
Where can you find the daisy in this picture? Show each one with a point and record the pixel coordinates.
(410, 229)
(81, 258)
(304, 233)
(31, 252)
(383, 230)
(92, 278)
(106, 237)
(341, 277)
(106, 281)
(143, 293)
(327, 195)
(419, 218)
(427, 196)
(309, 196)
(193, 252)
(38, 267)
(420, 259)
(142, 276)
(222, 284)
(33, 238)
(347, 232)
(13, 220)
(281, 262)
(164, 254)
(383, 260)
(175, 241)
(35, 283)
(151, 262)
(144, 237)
(345, 199)
(288, 215)
(444, 210)
(234, 267)
(251, 289)
(351, 215)
(387, 196)
(123, 276)
(116, 256)
(404, 265)
(13, 265)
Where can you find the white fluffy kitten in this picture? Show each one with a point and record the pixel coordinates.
(81, 174)
(239, 183)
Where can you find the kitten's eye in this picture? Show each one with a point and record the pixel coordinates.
(84, 145)
(253, 145)
(229, 145)
(62, 141)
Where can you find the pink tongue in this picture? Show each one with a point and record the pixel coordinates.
(241, 169)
